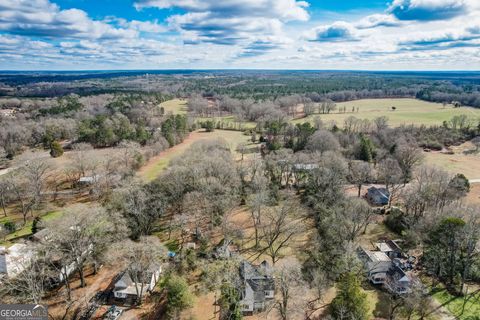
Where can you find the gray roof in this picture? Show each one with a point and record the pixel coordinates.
(394, 245)
(258, 277)
(398, 275)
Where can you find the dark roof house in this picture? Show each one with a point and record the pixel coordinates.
(397, 281)
(378, 196)
(258, 286)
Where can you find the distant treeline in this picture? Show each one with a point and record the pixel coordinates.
(463, 88)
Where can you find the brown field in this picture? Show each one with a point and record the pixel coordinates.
(459, 162)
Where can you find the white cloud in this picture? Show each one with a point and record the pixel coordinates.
(377, 20)
(427, 10)
(230, 22)
(339, 31)
(285, 10)
(45, 19)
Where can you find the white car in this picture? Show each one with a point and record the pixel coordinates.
(113, 313)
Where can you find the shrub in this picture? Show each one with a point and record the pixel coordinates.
(10, 226)
(395, 221)
(56, 149)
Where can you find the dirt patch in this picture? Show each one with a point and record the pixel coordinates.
(473, 196)
(203, 309)
(81, 296)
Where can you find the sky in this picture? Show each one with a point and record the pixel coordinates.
(240, 34)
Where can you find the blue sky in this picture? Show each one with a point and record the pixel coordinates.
(255, 34)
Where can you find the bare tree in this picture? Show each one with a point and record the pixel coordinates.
(35, 172)
(408, 156)
(278, 229)
(390, 173)
(381, 123)
(82, 233)
(322, 141)
(30, 285)
(359, 172)
(354, 216)
(82, 161)
(4, 195)
(131, 158)
(257, 201)
(140, 207)
(18, 187)
(291, 301)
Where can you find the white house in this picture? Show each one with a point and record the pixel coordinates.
(377, 264)
(126, 287)
(15, 259)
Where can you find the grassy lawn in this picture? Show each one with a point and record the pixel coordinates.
(175, 106)
(157, 164)
(26, 230)
(455, 304)
(408, 111)
(378, 302)
(230, 120)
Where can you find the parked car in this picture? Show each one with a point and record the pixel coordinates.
(113, 313)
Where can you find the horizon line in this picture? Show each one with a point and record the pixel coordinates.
(238, 69)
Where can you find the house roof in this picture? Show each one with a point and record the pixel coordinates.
(383, 247)
(89, 178)
(249, 271)
(257, 278)
(41, 235)
(383, 192)
(398, 275)
(372, 256)
(394, 245)
(126, 284)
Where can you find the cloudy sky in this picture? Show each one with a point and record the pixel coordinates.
(255, 34)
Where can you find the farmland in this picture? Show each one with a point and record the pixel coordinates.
(175, 106)
(408, 111)
(462, 160)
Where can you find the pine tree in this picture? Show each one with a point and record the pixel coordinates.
(229, 301)
(366, 149)
(350, 302)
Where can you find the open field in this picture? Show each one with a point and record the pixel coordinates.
(175, 106)
(408, 111)
(458, 306)
(459, 162)
(155, 166)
